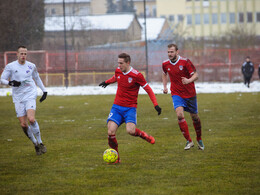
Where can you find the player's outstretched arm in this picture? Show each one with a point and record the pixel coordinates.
(107, 82)
(103, 84)
(150, 92)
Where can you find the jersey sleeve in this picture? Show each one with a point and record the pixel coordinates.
(151, 94)
(6, 75)
(190, 67)
(38, 79)
(164, 69)
(111, 80)
(141, 80)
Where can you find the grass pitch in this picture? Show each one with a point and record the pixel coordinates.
(74, 130)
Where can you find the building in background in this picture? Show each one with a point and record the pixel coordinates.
(86, 31)
(150, 7)
(156, 28)
(207, 18)
(74, 7)
(89, 7)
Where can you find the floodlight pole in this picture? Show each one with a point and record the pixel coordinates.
(65, 45)
(145, 37)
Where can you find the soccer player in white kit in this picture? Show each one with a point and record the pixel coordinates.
(24, 92)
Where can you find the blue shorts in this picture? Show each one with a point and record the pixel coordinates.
(189, 104)
(120, 114)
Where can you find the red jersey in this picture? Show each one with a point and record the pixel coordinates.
(128, 85)
(183, 67)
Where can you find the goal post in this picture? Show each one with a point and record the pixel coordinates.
(39, 57)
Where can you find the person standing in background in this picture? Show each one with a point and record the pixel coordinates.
(259, 71)
(247, 71)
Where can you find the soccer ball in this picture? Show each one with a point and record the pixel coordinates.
(110, 155)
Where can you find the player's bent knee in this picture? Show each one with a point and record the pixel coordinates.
(195, 117)
(180, 117)
(31, 120)
(131, 131)
(111, 132)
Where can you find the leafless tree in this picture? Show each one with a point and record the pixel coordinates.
(22, 23)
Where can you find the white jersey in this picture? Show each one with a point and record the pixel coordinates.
(25, 74)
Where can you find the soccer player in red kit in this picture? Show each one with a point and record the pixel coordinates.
(182, 74)
(123, 110)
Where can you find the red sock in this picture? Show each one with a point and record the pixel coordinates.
(197, 126)
(112, 142)
(140, 133)
(184, 129)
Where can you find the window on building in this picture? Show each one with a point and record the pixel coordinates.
(223, 18)
(241, 17)
(214, 18)
(197, 18)
(189, 19)
(53, 11)
(84, 11)
(74, 10)
(68, 10)
(206, 18)
(180, 18)
(232, 18)
(154, 11)
(147, 9)
(249, 17)
(171, 18)
(258, 16)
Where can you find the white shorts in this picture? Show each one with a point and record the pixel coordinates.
(22, 107)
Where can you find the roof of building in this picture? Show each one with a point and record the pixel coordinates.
(97, 22)
(142, 0)
(66, 1)
(153, 27)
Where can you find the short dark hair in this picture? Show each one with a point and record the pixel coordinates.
(21, 46)
(173, 45)
(126, 57)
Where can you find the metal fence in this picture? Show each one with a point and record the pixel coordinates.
(94, 65)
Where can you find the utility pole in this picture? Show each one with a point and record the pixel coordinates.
(146, 49)
(65, 45)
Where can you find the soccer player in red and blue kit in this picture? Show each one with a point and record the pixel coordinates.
(182, 74)
(123, 110)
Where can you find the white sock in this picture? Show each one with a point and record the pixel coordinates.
(31, 136)
(36, 131)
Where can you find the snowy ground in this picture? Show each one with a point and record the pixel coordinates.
(157, 88)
